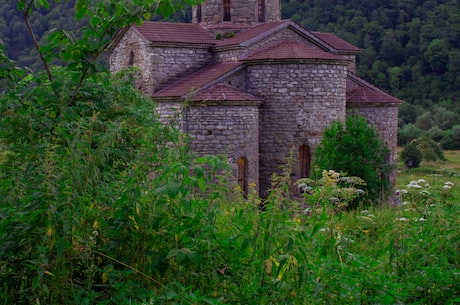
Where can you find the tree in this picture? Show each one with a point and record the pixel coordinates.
(355, 149)
(411, 155)
(77, 146)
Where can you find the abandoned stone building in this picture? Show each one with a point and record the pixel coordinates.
(255, 87)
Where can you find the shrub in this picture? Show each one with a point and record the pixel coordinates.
(430, 150)
(356, 149)
(411, 155)
(408, 133)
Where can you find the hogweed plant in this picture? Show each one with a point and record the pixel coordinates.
(333, 191)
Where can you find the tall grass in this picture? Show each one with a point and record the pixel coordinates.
(187, 240)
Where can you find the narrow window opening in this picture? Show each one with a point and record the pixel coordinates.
(304, 161)
(261, 9)
(131, 58)
(198, 13)
(243, 174)
(227, 10)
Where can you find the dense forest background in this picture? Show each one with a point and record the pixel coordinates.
(411, 49)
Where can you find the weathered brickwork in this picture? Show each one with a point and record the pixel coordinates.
(247, 11)
(229, 130)
(133, 47)
(300, 100)
(160, 65)
(264, 92)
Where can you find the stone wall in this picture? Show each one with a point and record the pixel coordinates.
(160, 65)
(300, 100)
(242, 11)
(226, 130)
(132, 42)
(384, 118)
(171, 63)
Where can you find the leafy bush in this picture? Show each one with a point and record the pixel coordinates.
(355, 149)
(430, 150)
(411, 155)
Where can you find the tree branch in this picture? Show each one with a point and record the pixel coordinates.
(25, 13)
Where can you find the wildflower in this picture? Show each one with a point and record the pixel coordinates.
(413, 185)
(365, 231)
(447, 187)
(424, 193)
(402, 219)
(449, 183)
(422, 219)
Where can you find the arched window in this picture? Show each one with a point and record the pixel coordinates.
(304, 161)
(243, 174)
(198, 13)
(131, 58)
(261, 10)
(227, 10)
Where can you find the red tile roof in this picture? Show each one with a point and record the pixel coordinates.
(172, 32)
(197, 80)
(254, 32)
(362, 92)
(336, 42)
(292, 50)
(223, 92)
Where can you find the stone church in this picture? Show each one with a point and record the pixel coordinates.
(251, 86)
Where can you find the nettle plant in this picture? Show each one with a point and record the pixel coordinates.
(334, 191)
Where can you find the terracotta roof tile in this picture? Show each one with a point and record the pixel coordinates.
(336, 42)
(292, 50)
(362, 92)
(197, 80)
(175, 33)
(223, 92)
(253, 32)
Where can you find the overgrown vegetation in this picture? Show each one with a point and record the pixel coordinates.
(102, 204)
(355, 149)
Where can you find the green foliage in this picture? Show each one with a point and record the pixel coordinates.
(431, 151)
(356, 149)
(102, 204)
(411, 155)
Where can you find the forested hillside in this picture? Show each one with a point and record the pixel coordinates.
(411, 48)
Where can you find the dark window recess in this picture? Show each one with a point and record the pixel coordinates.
(304, 161)
(243, 174)
(227, 10)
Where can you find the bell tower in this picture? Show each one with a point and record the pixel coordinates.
(241, 12)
